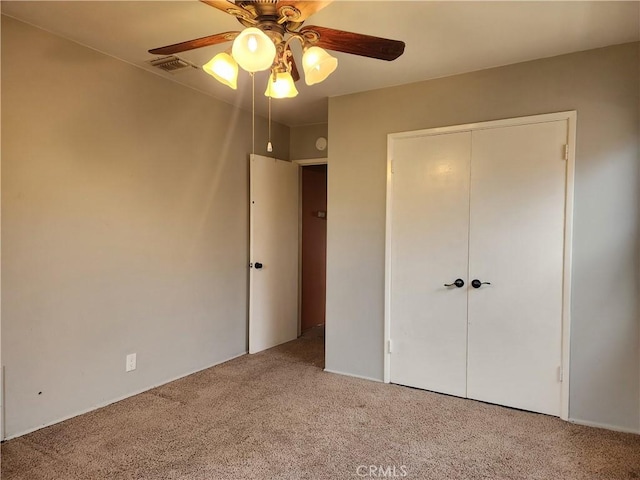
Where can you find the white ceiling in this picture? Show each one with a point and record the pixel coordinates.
(443, 38)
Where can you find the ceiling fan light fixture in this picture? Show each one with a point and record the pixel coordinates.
(265, 45)
(317, 65)
(223, 68)
(253, 50)
(281, 85)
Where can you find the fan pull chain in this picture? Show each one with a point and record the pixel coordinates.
(269, 146)
(253, 113)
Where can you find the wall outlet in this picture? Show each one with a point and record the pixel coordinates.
(131, 362)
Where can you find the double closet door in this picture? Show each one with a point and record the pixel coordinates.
(477, 231)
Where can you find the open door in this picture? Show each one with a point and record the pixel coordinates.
(273, 278)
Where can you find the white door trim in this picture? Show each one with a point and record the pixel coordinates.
(312, 161)
(571, 118)
(506, 122)
(566, 284)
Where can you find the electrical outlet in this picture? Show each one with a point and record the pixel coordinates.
(131, 362)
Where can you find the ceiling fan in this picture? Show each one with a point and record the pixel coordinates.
(265, 44)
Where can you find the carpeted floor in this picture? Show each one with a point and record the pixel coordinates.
(277, 415)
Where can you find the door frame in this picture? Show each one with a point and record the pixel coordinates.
(571, 118)
(307, 162)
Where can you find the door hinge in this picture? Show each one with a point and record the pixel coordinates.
(560, 374)
(566, 152)
(389, 346)
(392, 165)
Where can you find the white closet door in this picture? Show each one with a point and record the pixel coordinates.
(429, 247)
(518, 181)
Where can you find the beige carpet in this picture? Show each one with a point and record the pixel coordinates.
(277, 415)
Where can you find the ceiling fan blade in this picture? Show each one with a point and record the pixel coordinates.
(229, 7)
(299, 10)
(196, 43)
(353, 43)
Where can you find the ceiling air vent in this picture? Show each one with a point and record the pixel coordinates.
(171, 64)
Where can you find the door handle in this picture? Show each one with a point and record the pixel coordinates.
(475, 283)
(458, 283)
(257, 265)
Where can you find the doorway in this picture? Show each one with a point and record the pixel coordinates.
(288, 255)
(313, 252)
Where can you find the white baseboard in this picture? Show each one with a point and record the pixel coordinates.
(118, 399)
(353, 375)
(606, 426)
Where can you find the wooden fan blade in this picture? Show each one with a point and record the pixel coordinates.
(197, 43)
(229, 7)
(353, 43)
(299, 10)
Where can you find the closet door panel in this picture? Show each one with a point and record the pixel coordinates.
(429, 247)
(516, 242)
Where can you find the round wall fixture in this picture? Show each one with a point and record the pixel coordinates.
(321, 143)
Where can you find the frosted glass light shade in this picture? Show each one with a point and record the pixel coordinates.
(282, 87)
(223, 68)
(253, 50)
(317, 65)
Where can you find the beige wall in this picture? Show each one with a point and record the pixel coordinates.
(124, 227)
(303, 141)
(603, 86)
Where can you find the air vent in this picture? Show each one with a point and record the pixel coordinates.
(171, 64)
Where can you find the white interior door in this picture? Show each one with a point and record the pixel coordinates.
(517, 221)
(429, 248)
(273, 278)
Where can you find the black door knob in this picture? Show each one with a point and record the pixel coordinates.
(477, 283)
(458, 283)
(258, 265)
